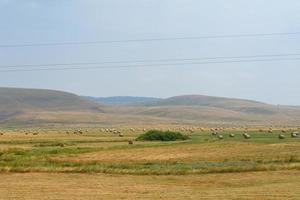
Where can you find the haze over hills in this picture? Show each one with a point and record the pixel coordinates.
(247, 106)
(32, 106)
(123, 100)
(189, 100)
(207, 109)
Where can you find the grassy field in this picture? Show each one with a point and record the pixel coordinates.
(250, 185)
(98, 164)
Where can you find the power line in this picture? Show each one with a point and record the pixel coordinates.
(150, 65)
(150, 61)
(149, 40)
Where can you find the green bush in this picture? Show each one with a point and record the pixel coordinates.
(154, 135)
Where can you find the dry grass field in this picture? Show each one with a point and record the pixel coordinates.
(99, 164)
(251, 185)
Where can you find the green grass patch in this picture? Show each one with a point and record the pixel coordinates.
(147, 168)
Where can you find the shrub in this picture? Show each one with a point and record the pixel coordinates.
(154, 135)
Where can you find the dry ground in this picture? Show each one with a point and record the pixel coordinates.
(219, 152)
(252, 185)
(263, 167)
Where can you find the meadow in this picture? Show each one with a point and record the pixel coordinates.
(64, 162)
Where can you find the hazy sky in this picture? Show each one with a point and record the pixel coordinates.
(50, 21)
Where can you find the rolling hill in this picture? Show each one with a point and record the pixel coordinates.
(241, 105)
(16, 101)
(38, 107)
(208, 109)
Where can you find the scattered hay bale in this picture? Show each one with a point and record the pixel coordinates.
(246, 136)
(132, 129)
(281, 136)
(78, 132)
(231, 135)
(214, 133)
(294, 134)
(220, 137)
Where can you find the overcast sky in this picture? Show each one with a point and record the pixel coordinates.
(51, 21)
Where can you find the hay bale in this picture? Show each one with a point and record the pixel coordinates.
(130, 142)
(281, 136)
(246, 136)
(214, 133)
(294, 134)
(231, 135)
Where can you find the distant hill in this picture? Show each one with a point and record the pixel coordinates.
(122, 100)
(15, 101)
(35, 107)
(246, 106)
(208, 109)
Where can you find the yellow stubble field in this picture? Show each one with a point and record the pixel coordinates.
(102, 165)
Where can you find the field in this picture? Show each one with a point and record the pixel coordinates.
(98, 164)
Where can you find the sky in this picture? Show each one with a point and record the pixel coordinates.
(56, 21)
